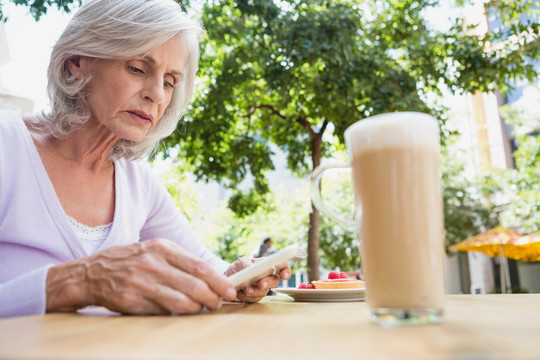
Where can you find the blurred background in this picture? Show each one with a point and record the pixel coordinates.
(279, 82)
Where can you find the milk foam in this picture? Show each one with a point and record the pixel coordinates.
(392, 129)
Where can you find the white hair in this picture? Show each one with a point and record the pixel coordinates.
(116, 29)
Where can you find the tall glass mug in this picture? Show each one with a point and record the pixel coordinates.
(395, 170)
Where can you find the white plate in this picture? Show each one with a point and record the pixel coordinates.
(323, 294)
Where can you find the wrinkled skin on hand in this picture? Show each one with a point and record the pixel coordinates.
(257, 291)
(150, 277)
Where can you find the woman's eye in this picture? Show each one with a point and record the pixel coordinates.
(135, 70)
(168, 84)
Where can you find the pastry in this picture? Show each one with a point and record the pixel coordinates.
(336, 280)
(339, 284)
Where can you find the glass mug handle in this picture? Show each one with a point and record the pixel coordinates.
(316, 197)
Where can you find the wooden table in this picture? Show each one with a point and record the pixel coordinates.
(475, 327)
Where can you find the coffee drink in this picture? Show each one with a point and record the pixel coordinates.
(395, 170)
(401, 229)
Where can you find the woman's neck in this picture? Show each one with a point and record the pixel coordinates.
(88, 147)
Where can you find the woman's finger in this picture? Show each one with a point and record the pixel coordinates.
(177, 302)
(184, 284)
(285, 273)
(238, 265)
(197, 268)
(252, 294)
(267, 283)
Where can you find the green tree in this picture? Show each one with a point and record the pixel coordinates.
(175, 175)
(520, 207)
(297, 74)
(283, 217)
(510, 197)
(523, 210)
(339, 246)
(38, 8)
(468, 210)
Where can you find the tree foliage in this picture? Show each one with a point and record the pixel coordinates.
(38, 8)
(510, 197)
(467, 208)
(520, 207)
(283, 217)
(523, 211)
(298, 73)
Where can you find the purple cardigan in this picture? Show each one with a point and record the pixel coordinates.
(35, 233)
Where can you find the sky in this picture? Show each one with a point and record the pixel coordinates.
(29, 45)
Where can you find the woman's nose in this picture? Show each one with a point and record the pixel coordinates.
(154, 91)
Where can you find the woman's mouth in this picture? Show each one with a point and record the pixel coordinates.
(140, 115)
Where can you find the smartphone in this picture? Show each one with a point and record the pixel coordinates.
(263, 268)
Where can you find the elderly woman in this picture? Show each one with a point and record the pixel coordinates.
(74, 203)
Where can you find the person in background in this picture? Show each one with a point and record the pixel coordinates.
(75, 198)
(266, 248)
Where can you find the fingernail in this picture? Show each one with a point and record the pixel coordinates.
(231, 293)
(265, 284)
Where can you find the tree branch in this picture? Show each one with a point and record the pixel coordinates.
(264, 107)
(301, 120)
(323, 128)
(261, 44)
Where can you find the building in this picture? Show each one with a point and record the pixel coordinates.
(492, 142)
(7, 99)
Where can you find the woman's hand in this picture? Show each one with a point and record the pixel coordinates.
(257, 291)
(150, 277)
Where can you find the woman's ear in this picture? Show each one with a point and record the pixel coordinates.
(77, 66)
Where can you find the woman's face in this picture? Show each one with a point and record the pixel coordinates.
(128, 97)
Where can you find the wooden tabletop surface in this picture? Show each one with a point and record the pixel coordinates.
(474, 327)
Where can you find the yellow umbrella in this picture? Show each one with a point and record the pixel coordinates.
(490, 242)
(526, 248)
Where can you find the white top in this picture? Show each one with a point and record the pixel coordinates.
(91, 238)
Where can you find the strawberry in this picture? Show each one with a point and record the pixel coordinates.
(342, 275)
(302, 286)
(333, 275)
(310, 286)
